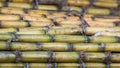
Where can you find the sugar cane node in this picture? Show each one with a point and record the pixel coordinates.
(102, 45)
(39, 46)
(16, 37)
(8, 1)
(108, 57)
(18, 56)
(52, 38)
(17, 29)
(49, 65)
(70, 47)
(52, 56)
(46, 31)
(92, 2)
(35, 4)
(25, 10)
(117, 23)
(29, 23)
(21, 17)
(61, 4)
(55, 65)
(118, 39)
(5, 4)
(9, 44)
(81, 59)
(108, 65)
(26, 65)
(0, 24)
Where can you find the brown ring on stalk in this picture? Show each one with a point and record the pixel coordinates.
(21, 17)
(5, 4)
(70, 47)
(8, 1)
(26, 65)
(35, 4)
(49, 65)
(17, 29)
(39, 46)
(108, 58)
(118, 39)
(102, 45)
(117, 23)
(0, 24)
(28, 23)
(16, 37)
(25, 11)
(9, 44)
(81, 59)
(52, 38)
(18, 56)
(52, 56)
(55, 65)
(92, 3)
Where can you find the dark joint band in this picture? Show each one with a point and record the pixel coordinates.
(46, 31)
(16, 37)
(117, 23)
(108, 65)
(52, 56)
(108, 57)
(82, 65)
(39, 46)
(102, 45)
(88, 39)
(49, 65)
(35, 4)
(8, 1)
(118, 39)
(0, 24)
(92, 2)
(27, 65)
(18, 56)
(55, 65)
(25, 10)
(29, 24)
(5, 4)
(70, 47)
(9, 45)
(17, 29)
(21, 17)
(52, 38)
(81, 56)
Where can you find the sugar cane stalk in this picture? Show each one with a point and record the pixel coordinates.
(36, 56)
(58, 65)
(59, 38)
(89, 47)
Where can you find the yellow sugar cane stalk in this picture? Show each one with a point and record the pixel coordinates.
(61, 47)
(58, 38)
(58, 65)
(17, 24)
(102, 18)
(60, 57)
(99, 3)
(103, 31)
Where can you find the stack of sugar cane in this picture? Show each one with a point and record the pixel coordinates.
(59, 34)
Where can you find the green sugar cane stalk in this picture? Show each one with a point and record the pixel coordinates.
(90, 47)
(20, 24)
(58, 65)
(60, 57)
(103, 31)
(58, 38)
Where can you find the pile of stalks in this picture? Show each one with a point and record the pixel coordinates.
(59, 33)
